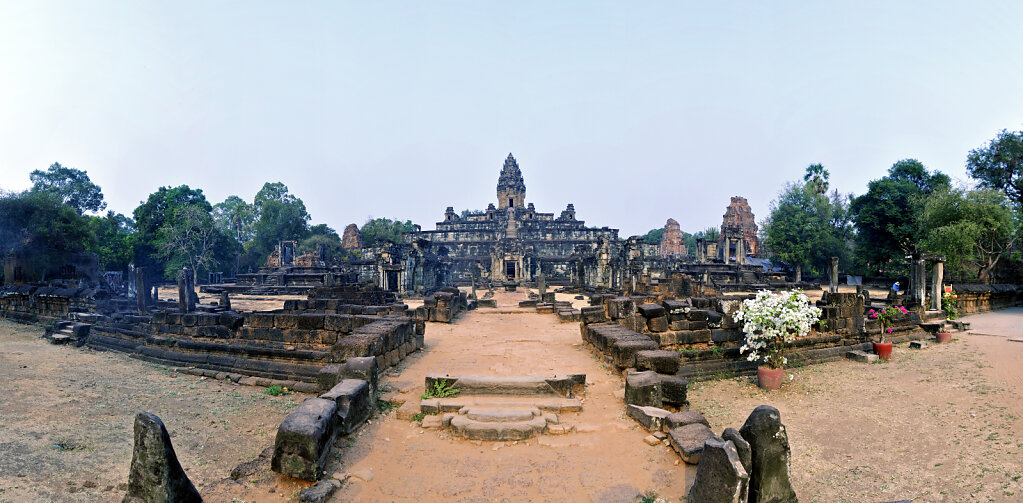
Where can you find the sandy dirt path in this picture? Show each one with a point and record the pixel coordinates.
(606, 462)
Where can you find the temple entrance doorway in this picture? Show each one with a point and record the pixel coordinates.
(509, 269)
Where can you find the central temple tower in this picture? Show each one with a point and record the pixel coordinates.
(511, 190)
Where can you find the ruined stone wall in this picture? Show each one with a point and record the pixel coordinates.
(28, 303)
(982, 298)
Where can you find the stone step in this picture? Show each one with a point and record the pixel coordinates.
(463, 426)
(557, 386)
(499, 414)
(61, 338)
(455, 404)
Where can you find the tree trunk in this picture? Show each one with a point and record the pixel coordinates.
(799, 273)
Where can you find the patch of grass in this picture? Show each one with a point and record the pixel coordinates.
(66, 445)
(440, 389)
(384, 407)
(277, 390)
(418, 417)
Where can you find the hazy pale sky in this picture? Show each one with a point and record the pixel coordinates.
(633, 111)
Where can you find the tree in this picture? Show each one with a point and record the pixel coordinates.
(805, 228)
(973, 229)
(708, 235)
(999, 165)
(189, 236)
(38, 227)
(279, 216)
(887, 216)
(159, 210)
(72, 186)
(236, 216)
(378, 231)
(654, 236)
(114, 241)
(467, 213)
(817, 178)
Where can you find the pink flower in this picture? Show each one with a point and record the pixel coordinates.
(890, 330)
(904, 310)
(873, 315)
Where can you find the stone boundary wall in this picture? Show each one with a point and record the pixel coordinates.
(706, 340)
(982, 298)
(32, 304)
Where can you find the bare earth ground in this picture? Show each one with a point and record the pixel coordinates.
(939, 424)
(87, 400)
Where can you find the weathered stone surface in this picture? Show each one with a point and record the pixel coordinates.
(354, 403)
(652, 418)
(720, 476)
(660, 361)
(658, 324)
(624, 351)
(688, 441)
(155, 475)
(861, 356)
(769, 478)
(351, 237)
(304, 438)
(917, 345)
(672, 241)
(673, 390)
(677, 419)
(741, 447)
(739, 216)
(319, 492)
(364, 368)
(651, 310)
(328, 376)
(643, 389)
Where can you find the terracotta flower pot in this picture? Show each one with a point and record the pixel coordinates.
(769, 378)
(943, 336)
(883, 350)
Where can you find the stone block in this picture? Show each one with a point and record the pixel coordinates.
(658, 324)
(682, 324)
(155, 475)
(188, 320)
(917, 345)
(643, 389)
(674, 390)
(742, 447)
(285, 321)
(311, 321)
(328, 376)
(354, 401)
(682, 418)
(260, 320)
(693, 336)
(664, 339)
(651, 310)
(675, 306)
(660, 361)
(720, 336)
(624, 351)
(688, 441)
(364, 368)
(304, 438)
(697, 315)
(720, 476)
(652, 418)
(593, 314)
(861, 356)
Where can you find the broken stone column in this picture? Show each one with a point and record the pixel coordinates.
(541, 284)
(183, 298)
(834, 275)
(141, 290)
(938, 287)
(155, 475)
(720, 476)
(225, 300)
(769, 445)
(304, 438)
(740, 251)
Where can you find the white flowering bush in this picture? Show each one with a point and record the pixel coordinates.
(772, 320)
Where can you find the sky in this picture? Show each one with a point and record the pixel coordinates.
(633, 111)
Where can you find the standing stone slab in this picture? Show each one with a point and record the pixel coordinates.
(769, 479)
(741, 447)
(304, 438)
(155, 475)
(720, 476)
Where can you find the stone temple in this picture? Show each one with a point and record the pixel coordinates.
(511, 241)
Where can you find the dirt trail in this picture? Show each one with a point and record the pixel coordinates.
(606, 462)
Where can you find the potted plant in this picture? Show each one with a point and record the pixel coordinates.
(770, 322)
(884, 317)
(948, 304)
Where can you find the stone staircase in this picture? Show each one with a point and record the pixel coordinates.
(502, 408)
(67, 332)
(933, 322)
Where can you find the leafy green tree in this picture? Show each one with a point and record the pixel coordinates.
(817, 178)
(999, 165)
(161, 209)
(654, 236)
(279, 216)
(114, 241)
(191, 238)
(41, 229)
(887, 216)
(321, 235)
(806, 228)
(235, 216)
(378, 231)
(973, 229)
(710, 234)
(72, 186)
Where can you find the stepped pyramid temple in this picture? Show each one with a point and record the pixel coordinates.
(511, 241)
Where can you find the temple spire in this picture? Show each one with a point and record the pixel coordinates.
(511, 189)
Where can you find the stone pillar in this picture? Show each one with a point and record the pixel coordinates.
(727, 251)
(701, 251)
(183, 298)
(740, 251)
(225, 300)
(918, 280)
(141, 290)
(156, 294)
(834, 275)
(938, 288)
(541, 284)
